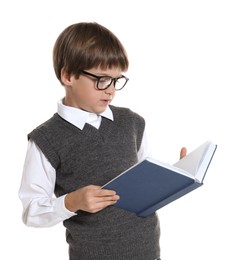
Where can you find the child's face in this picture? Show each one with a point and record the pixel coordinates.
(83, 94)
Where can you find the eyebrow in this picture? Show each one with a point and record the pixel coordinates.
(96, 74)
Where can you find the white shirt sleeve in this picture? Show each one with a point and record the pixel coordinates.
(145, 148)
(40, 207)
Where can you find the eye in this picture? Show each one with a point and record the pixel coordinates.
(104, 80)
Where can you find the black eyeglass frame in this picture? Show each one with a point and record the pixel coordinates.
(100, 77)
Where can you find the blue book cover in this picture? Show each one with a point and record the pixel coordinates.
(150, 184)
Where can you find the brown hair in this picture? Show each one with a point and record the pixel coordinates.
(85, 46)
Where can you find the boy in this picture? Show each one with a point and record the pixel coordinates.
(84, 145)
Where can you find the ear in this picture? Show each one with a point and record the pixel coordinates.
(65, 77)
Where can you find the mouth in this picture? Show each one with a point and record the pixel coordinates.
(106, 101)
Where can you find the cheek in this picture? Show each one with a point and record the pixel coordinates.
(91, 96)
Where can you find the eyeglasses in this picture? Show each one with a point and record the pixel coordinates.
(104, 82)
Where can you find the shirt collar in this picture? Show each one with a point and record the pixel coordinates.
(80, 117)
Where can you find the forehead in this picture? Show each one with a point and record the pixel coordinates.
(113, 72)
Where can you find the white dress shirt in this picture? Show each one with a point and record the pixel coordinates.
(40, 207)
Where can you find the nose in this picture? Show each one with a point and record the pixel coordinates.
(111, 89)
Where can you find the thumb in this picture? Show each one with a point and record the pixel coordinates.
(183, 152)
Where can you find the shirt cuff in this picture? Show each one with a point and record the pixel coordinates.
(64, 212)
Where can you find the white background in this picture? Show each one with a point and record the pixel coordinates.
(180, 80)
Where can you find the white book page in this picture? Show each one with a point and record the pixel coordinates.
(205, 163)
(197, 161)
(171, 167)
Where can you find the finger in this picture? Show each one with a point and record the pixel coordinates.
(107, 198)
(105, 192)
(183, 152)
(102, 202)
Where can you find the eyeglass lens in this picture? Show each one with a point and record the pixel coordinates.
(105, 82)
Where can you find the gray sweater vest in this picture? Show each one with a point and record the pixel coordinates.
(94, 156)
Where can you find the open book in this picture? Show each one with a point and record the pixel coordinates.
(150, 185)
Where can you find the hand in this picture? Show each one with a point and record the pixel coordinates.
(90, 198)
(183, 152)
